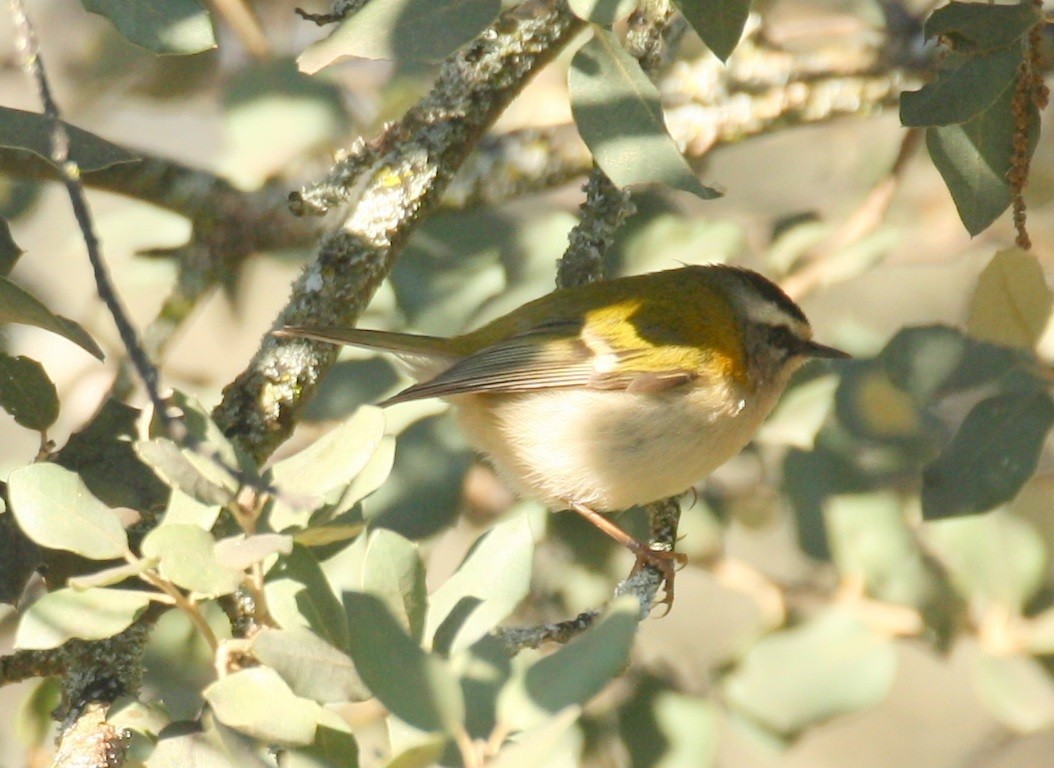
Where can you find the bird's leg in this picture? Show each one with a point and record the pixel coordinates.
(663, 561)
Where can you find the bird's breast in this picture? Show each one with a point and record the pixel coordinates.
(609, 449)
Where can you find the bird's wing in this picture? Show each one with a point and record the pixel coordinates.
(552, 356)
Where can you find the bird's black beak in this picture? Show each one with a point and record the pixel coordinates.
(815, 349)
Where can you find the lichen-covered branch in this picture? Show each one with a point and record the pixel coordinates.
(96, 673)
(393, 196)
(24, 665)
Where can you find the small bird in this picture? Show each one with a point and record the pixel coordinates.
(612, 394)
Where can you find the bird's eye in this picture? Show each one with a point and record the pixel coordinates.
(783, 338)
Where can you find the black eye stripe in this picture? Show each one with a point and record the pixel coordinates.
(782, 337)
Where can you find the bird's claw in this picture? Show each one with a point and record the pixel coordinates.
(665, 562)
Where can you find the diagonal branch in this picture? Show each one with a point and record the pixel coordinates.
(398, 190)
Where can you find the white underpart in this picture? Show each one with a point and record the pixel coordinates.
(611, 449)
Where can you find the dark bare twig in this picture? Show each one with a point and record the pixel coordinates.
(29, 48)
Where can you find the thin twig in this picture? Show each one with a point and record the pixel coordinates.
(69, 171)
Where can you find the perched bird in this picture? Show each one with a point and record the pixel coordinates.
(603, 396)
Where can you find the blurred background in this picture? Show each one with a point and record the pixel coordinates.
(758, 534)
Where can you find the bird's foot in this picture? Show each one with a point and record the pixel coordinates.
(664, 561)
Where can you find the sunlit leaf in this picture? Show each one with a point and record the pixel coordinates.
(997, 557)
(212, 745)
(416, 687)
(330, 749)
(619, 115)
(830, 665)
(1012, 302)
(603, 12)
(55, 509)
(89, 614)
(299, 595)
(310, 666)
(185, 556)
(181, 468)
(169, 27)
(257, 702)
(331, 462)
(1017, 689)
(575, 673)
(402, 30)
(496, 572)
(873, 546)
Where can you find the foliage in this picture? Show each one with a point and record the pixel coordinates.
(290, 603)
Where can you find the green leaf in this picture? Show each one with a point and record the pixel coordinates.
(107, 577)
(619, 115)
(496, 572)
(484, 669)
(299, 595)
(423, 755)
(1017, 690)
(993, 454)
(31, 132)
(185, 556)
(9, 252)
(185, 510)
(186, 470)
(214, 456)
(603, 12)
(575, 673)
(90, 614)
(330, 749)
(982, 26)
(19, 306)
(996, 558)
(311, 667)
(935, 360)
(145, 717)
(539, 746)
(830, 665)
(172, 27)
(416, 687)
(392, 571)
(55, 509)
(329, 463)
(402, 30)
(20, 558)
(185, 745)
(872, 546)
(239, 552)
(1012, 302)
(800, 414)
(102, 454)
(966, 88)
(27, 393)
(257, 702)
(719, 23)
(372, 476)
(974, 159)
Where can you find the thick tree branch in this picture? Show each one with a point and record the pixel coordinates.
(397, 191)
